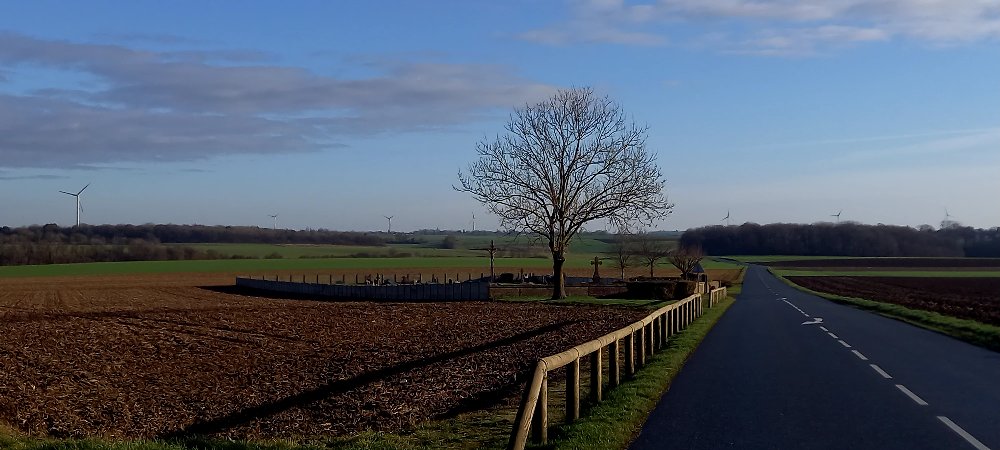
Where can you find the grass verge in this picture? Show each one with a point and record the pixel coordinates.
(478, 430)
(976, 333)
(615, 422)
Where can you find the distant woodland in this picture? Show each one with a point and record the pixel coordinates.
(845, 239)
(51, 244)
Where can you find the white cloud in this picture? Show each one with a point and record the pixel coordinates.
(173, 106)
(792, 26)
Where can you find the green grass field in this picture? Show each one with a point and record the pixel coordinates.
(271, 265)
(329, 251)
(310, 264)
(352, 257)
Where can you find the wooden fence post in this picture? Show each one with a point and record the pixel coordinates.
(663, 328)
(540, 420)
(642, 347)
(613, 365)
(654, 339)
(630, 354)
(651, 337)
(573, 391)
(595, 376)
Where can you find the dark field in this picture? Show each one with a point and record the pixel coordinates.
(157, 355)
(967, 298)
(891, 263)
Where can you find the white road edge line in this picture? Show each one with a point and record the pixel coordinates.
(965, 435)
(846, 345)
(859, 355)
(910, 394)
(824, 329)
(881, 372)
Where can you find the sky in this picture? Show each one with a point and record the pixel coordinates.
(334, 114)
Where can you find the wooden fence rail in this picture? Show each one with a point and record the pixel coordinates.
(640, 340)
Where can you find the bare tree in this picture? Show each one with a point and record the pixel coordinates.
(650, 250)
(686, 259)
(563, 162)
(623, 250)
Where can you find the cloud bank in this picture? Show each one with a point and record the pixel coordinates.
(774, 27)
(140, 105)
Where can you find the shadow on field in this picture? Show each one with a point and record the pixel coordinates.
(333, 388)
(263, 293)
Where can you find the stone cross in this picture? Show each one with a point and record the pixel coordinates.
(596, 263)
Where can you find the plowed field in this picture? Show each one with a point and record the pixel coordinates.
(160, 355)
(967, 298)
(893, 263)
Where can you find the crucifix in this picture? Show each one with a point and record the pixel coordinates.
(493, 251)
(596, 263)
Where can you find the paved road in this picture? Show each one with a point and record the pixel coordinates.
(764, 379)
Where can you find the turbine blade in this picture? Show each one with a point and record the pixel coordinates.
(84, 189)
(68, 193)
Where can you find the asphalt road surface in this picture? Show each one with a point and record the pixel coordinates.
(786, 370)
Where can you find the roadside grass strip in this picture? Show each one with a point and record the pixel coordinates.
(976, 333)
(477, 430)
(615, 422)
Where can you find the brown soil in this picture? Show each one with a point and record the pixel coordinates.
(967, 298)
(161, 355)
(892, 263)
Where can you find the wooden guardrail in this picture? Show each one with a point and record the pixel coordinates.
(638, 341)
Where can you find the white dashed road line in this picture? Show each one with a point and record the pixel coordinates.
(916, 399)
(910, 394)
(880, 371)
(965, 435)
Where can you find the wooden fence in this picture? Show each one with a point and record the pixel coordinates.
(638, 341)
(402, 292)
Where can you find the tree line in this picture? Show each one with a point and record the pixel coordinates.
(844, 239)
(52, 244)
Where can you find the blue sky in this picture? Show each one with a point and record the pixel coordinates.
(334, 114)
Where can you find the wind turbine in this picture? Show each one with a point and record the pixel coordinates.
(726, 218)
(837, 215)
(274, 217)
(78, 207)
(473, 222)
(389, 218)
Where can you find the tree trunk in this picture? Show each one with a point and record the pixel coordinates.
(651, 270)
(559, 283)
